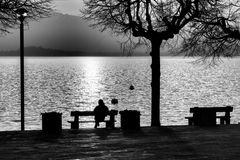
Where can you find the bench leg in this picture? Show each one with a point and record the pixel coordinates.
(227, 117)
(110, 124)
(74, 125)
(227, 120)
(222, 120)
(190, 121)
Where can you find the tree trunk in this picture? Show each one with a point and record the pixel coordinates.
(155, 54)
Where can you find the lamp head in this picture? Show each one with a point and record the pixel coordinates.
(21, 12)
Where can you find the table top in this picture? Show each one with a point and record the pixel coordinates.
(213, 109)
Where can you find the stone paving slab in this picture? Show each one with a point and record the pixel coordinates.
(175, 142)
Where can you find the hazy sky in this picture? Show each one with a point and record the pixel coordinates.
(68, 6)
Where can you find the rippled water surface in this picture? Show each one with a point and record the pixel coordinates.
(185, 85)
(66, 84)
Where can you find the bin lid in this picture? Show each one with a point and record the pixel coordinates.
(49, 113)
(129, 112)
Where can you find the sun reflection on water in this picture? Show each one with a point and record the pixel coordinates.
(91, 78)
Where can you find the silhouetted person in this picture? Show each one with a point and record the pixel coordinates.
(100, 112)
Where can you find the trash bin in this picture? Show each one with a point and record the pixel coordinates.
(130, 119)
(52, 122)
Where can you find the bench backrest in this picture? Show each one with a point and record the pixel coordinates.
(91, 113)
(214, 109)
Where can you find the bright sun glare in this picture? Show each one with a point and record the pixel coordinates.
(92, 76)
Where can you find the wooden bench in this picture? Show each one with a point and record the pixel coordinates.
(76, 114)
(206, 116)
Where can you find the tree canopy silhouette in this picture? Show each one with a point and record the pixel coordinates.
(36, 9)
(153, 20)
(215, 33)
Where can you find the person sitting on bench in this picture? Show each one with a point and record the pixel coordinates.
(100, 112)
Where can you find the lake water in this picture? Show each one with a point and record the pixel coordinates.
(64, 84)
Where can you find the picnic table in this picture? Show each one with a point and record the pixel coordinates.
(207, 116)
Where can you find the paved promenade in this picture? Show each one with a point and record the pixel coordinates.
(180, 142)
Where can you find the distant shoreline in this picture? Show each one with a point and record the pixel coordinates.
(73, 56)
(47, 52)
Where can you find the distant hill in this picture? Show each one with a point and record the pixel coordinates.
(68, 35)
(40, 51)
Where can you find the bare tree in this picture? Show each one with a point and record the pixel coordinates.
(36, 9)
(153, 20)
(215, 33)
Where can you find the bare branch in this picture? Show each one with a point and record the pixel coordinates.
(215, 33)
(36, 9)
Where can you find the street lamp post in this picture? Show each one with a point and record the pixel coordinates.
(22, 13)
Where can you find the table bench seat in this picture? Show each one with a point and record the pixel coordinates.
(207, 115)
(222, 120)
